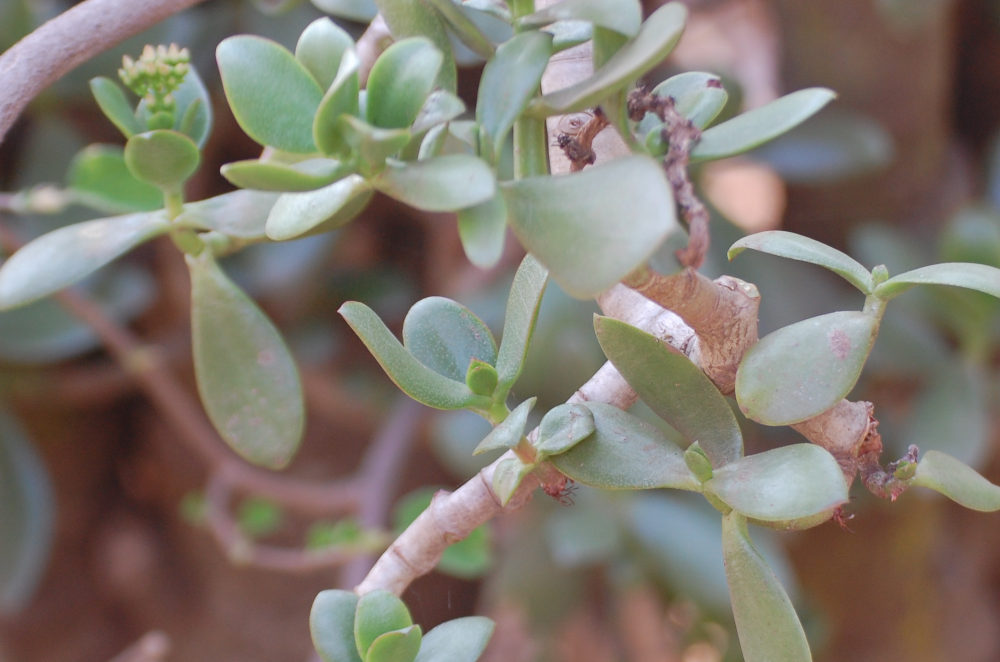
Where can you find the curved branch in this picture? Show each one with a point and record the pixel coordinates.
(73, 37)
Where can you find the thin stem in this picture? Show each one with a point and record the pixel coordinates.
(531, 151)
(73, 37)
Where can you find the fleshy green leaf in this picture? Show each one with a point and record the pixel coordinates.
(320, 48)
(246, 375)
(194, 108)
(445, 336)
(360, 141)
(483, 230)
(509, 431)
(463, 27)
(407, 18)
(756, 127)
(766, 622)
(509, 80)
(796, 247)
(458, 640)
(413, 377)
(562, 428)
(697, 96)
(959, 482)
(576, 227)
(958, 274)
(656, 38)
(399, 646)
(378, 612)
(441, 106)
(481, 377)
(673, 387)
(519, 321)
(274, 176)
(274, 98)
(163, 158)
(625, 452)
(444, 183)
(400, 82)
(113, 103)
(507, 477)
(787, 483)
(239, 214)
(359, 11)
(295, 214)
(803, 369)
(62, 257)
(26, 516)
(331, 623)
(340, 99)
(99, 176)
(624, 17)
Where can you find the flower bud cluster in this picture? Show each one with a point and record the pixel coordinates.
(156, 74)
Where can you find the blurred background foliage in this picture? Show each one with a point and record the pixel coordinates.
(101, 518)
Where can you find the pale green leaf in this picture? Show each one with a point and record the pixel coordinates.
(274, 176)
(673, 387)
(444, 183)
(246, 375)
(782, 484)
(508, 476)
(509, 431)
(483, 231)
(625, 452)
(359, 11)
(331, 624)
(445, 336)
(618, 15)
(441, 106)
(273, 96)
(99, 176)
(959, 482)
(656, 38)
(562, 428)
(320, 48)
(593, 227)
(378, 612)
(62, 257)
(768, 627)
(410, 375)
(414, 18)
(400, 82)
(755, 127)
(463, 27)
(803, 369)
(958, 274)
(239, 214)
(697, 96)
(519, 322)
(295, 214)
(398, 646)
(113, 103)
(796, 247)
(340, 99)
(163, 158)
(458, 640)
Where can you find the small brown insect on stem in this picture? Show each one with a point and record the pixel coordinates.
(681, 135)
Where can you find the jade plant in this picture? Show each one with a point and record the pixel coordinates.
(626, 229)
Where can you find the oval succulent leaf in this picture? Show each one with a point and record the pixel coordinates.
(246, 375)
(625, 453)
(575, 224)
(441, 106)
(787, 483)
(483, 231)
(463, 27)
(407, 19)
(959, 482)
(64, 256)
(444, 183)
(328, 208)
(410, 375)
(796, 247)
(656, 38)
(331, 624)
(757, 126)
(697, 96)
(481, 378)
(194, 108)
(273, 96)
(458, 640)
(802, 370)
(113, 103)
(320, 48)
(399, 646)
(340, 99)
(99, 176)
(673, 387)
(446, 336)
(400, 82)
(239, 214)
(510, 79)
(510, 472)
(162, 158)
(378, 612)
(958, 274)
(562, 428)
(766, 622)
(274, 176)
(509, 431)
(623, 17)
(519, 321)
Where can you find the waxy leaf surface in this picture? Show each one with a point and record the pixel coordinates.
(697, 96)
(509, 431)
(400, 81)
(378, 612)
(398, 646)
(805, 368)
(673, 387)
(757, 126)
(239, 214)
(959, 482)
(246, 375)
(624, 16)
(796, 247)
(958, 274)
(577, 226)
(64, 256)
(445, 336)
(162, 158)
(483, 231)
(273, 96)
(331, 624)
(320, 48)
(519, 322)
(115, 105)
(273, 176)
(327, 208)
(458, 640)
(766, 622)
(99, 176)
(625, 452)
(444, 183)
(562, 428)
(787, 483)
